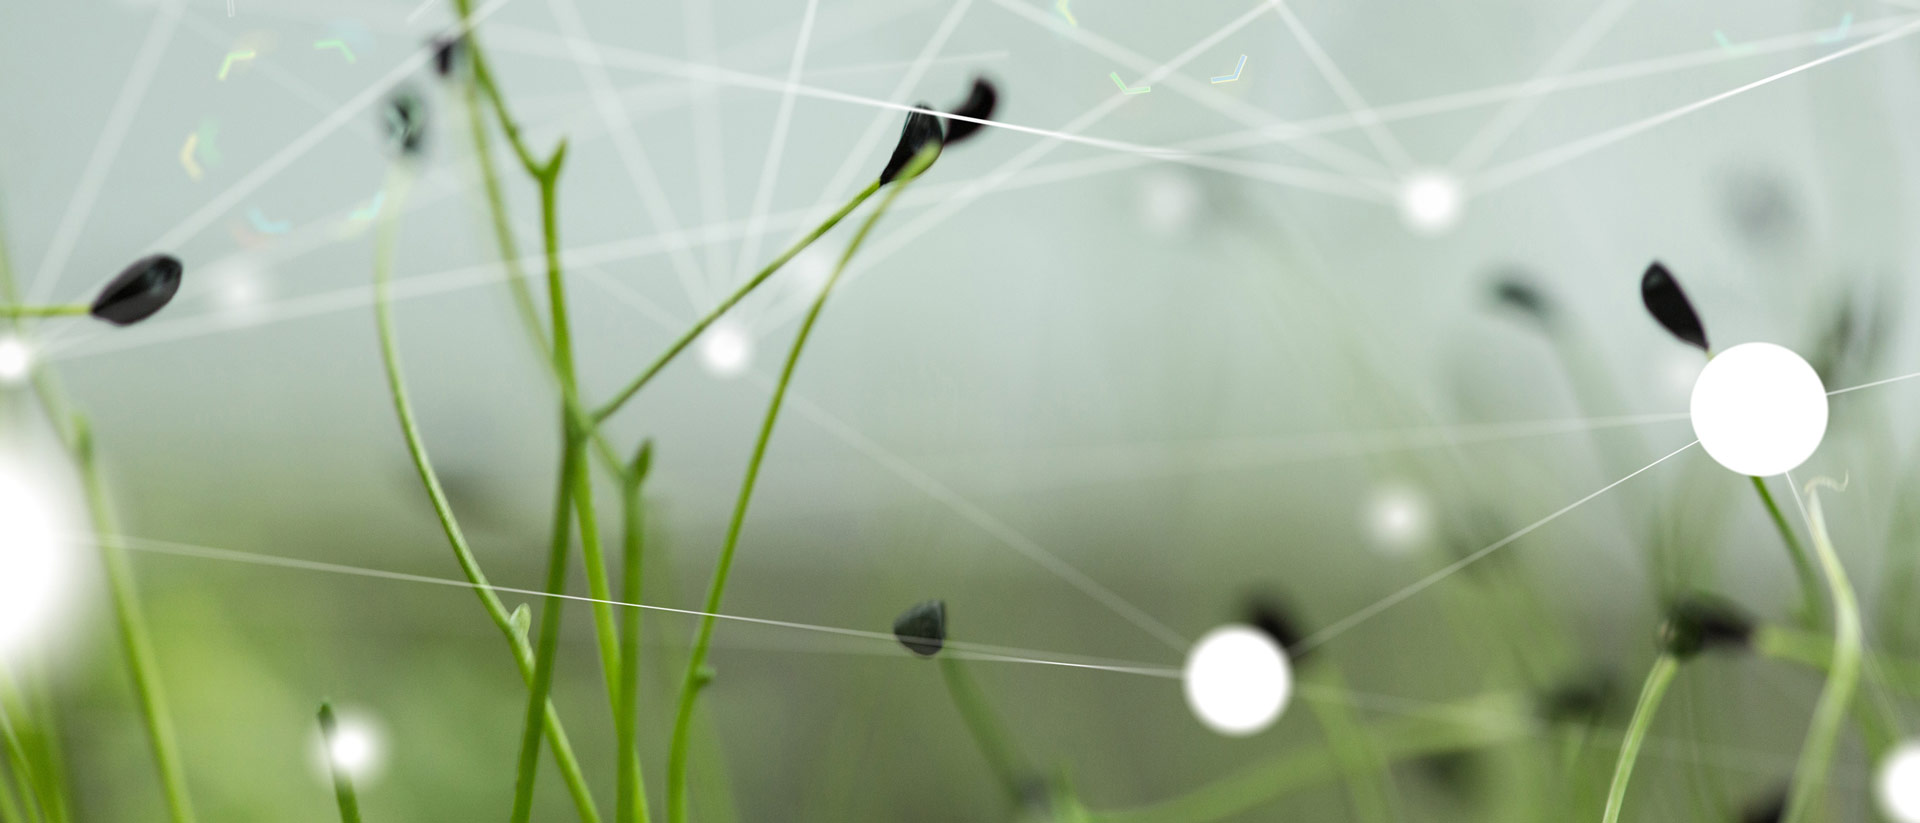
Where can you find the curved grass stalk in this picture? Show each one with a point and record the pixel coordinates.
(551, 612)
(693, 680)
(996, 746)
(1816, 755)
(1802, 565)
(135, 643)
(632, 802)
(343, 793)
(1369, 790)
(463, 554)
(1658, 679)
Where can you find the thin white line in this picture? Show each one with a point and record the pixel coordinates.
(197, 221)
(1417, 586)
(1511, 116)
(1874, 383)
(1333, 155)
(1528, 166)
(986, 522)
(1390, 149)
(777, 144)
(708, 156)
(424, 5)
(60, 250)
(632, 155)
(984, 651)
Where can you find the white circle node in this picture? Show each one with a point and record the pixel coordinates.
(1430, 202)
(1759, 409)
(1397, 519)
(1898, 783)
(32, 559)
(726, 349)
(15, 360)
(1237, 680)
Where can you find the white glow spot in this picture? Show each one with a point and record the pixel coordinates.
(726, 349)
(1237, 680)
(1430, 202)
(810, 269)
(33, 558)
(1169, 202)
(15, 360)
(356, 748)
(1759, 409)
(1898, 783)
(1397, 519)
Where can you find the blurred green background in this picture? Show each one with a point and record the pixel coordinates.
(1191, 382)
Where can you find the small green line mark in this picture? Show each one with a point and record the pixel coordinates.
(1123, 86)
(227, 64)
(336, 44)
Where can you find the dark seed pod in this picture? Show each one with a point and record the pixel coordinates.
(1272, 617)
(920, 131)
(979, 105)
(139, 290)
(406, 122)
(1513, 290)
(1669, 305)
(446, 50)
(923, 628)
(1769, 808)
(1698, 623)
(1580, 699)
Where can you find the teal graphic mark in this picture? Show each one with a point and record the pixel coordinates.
(261, 222)
(1236, 71)
(1123, 86)
(1839, 32)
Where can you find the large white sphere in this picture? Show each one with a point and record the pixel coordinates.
(1759, 409)
(1237, 680)
(1898, 783)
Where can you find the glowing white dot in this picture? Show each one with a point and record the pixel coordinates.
(1759, 409)
(1397, 519)
(355, 747)
(810, 269)
(15, 360)
(1169, 202)
(33, 559)
(1430, 202)
(1237, 680)
(726, 349)
(1898, 783)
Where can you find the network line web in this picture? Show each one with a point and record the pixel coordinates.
(1166, 307)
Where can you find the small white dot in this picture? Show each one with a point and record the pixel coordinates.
(809, 270)
(1237, 680)
(1898, 783)
(726, 349)
(1759, 409)
(355, 747)
(1169, 203)
(1430, 202)
(33, 558)
(15, 360)
(1398, 519)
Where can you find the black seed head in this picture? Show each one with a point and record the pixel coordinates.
(1514, 290)
(1696, 624)
(446, 51)
(1272, 617)
(406, 122)
(923, 628)
(139, 290)
(1581, 699)
(979, 105)
(1669, 305)
(920, 131)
